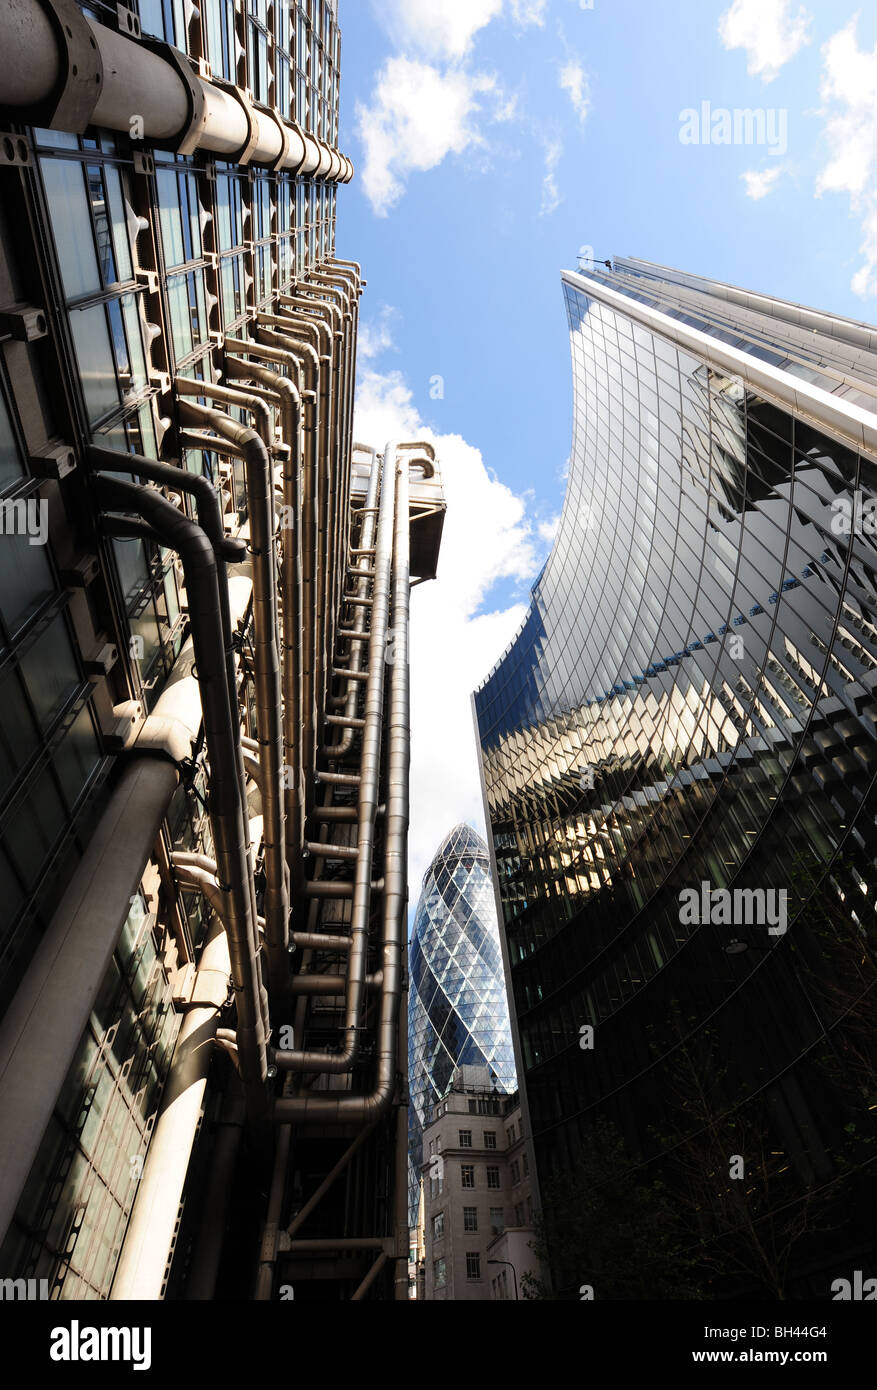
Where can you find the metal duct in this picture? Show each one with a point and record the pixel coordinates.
(368, 797)
(227, 808)
(290, 584)
(339, 1109)
(247, 444)
(116, 76)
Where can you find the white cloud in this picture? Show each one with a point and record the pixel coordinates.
(376, 335)
(487, 537)
(768, 30)
(574, 79)
(447, 29)
(417, 116)
(439, 28)
(760, 182)
(551, 197)
(849, 94)
(529, 11)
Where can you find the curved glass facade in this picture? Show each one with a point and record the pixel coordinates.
(679, 747)
(457, 1007)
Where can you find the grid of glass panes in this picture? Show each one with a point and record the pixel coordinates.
(49, 752)
(696, 513)
(287, 54)
(92, 220)
(71, 1219)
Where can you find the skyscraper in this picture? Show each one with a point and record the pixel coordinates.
(203, 657)
(457, 1007)
(678, 753)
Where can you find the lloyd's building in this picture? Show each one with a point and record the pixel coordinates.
(203, 671)
(679, 752)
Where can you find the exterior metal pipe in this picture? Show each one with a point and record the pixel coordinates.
(291, 589)
(227, 809)
(334, 888)
(131, 77)
(140, 1273)
(321, 477)
(326, 1109)
(227, 395)
(369, 778)
(292, 354)
(266, 667)
(330, 984)
(42, 1026)
(204, 1268)
(268, 1252)
(333, 363)
(320, 941)
(364, 571)
(338, 344)
(225, 548)
(340, 1243)
(363, 1288)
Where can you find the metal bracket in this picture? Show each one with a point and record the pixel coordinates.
(102, 662)
(81, 73)
(294, 169)
(242, 156)
(128, 22)
(24, 322)
(187, 142)
(13, 149)
(284, 136)
(84, 572)
(52, 461)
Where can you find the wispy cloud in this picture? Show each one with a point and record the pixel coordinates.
(760, 182)
(551, 197)
(429, 101)
(419, 114)
(849, 94)
(574, 80)
(455, 634)
(444, 29)
(526, 12)
(376, 334)
(447, 29)
(768, 30)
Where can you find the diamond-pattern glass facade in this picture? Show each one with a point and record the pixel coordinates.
(457, 1006)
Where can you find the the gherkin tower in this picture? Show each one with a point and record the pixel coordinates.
(457, 1006)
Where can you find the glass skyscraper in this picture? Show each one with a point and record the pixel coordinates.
(457, 1007)
(679, 751)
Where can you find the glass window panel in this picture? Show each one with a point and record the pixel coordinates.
(25, 578)
(95, 357)
(101, 219)
(17, 734)
(178, 298)
(49, 671)
(77, 757)
(71, 223)
(136, 358)
(171, 220)
(131, 564)
(11, 467)
(118, 218)
(33, 826)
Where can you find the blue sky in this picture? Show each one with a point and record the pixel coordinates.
(492, 140)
